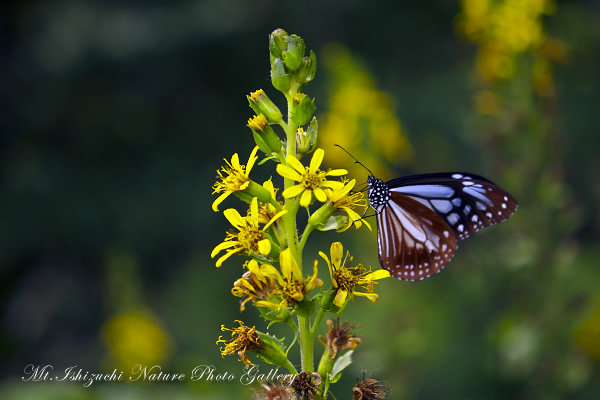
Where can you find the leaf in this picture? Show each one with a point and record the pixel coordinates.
(340, 364)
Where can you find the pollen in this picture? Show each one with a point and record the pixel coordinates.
(312, 180)
(249, 238)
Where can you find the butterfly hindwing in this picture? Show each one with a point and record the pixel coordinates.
(414, 242)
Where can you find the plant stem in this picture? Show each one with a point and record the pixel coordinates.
(306, 344)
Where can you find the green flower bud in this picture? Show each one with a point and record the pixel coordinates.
(273, 350)
(307, 70)
(303, 110)
(307, 141)
(264, 136)
(262, 104)
(277, 43)
(280, 79)
(292, 56)
(321, 216)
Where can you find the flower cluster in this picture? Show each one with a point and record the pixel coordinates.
(275, 278)
(505, 30)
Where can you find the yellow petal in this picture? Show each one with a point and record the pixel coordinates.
(340, 194)
(226, 256)
(294, 163)
(288, 265)
(219, 200)
(335, 185)
(306, 198)
(254, 212)
(337, 172)
(316, 160)
(269, 186)
(234, 218)
(264, 247)
(340, 298)
(279, 214)
(222, 246)
(376, 275)
(269, 270)
(371, 296)
(251, 160)
(235, 161)
(337, 252)
(288, 172)
(292, 191)
(320, 195)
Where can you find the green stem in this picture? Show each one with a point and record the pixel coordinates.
(317, 321)
(306, 344)
(309, 228)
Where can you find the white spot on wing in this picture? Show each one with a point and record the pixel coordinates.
(443, 206)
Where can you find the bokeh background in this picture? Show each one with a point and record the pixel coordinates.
(116, 115)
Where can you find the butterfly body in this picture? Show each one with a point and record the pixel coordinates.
(421, 218)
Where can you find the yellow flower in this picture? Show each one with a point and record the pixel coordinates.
(343, 200)
(250, 239)
(346, 279)
(233, 177)
(292, 286)
(243, 339)
(266, 211)
(311, 178)
(256, 284)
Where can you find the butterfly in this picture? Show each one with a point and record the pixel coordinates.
(421, 218)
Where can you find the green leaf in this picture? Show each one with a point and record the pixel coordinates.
(340, 364)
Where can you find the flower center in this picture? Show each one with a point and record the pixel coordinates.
(249, 237)
(312, 180)
(293, 290)
(346, 278)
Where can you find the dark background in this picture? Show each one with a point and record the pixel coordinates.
(116, 115)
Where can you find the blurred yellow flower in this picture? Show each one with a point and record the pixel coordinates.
(360, 117)
(311, 178)
(136, 338)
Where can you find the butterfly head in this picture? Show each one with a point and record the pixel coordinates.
(379, 192)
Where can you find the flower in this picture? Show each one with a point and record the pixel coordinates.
(233, 177)
(272, 391)
(293, 288)
(306, 385)
(312, 179)
(266, 211)
(343, 200)
(347, 279)
(250, 239)
(369, 389)
(256, 284)
(339, 337)
(243, 339)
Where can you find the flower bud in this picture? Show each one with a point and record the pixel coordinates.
(264, 136)
(292, 56)
(272, 350)
(262, 104)
(303, 110)
(307, 70)
(277, 43)
(280, 79)
(307, 141)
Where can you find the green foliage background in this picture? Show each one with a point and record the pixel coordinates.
(117, 115)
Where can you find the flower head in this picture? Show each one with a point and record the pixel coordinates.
(369, 389)
(256, 283)
(293, 288)
(343, 200)
(311, 179)
(243, 339)
(340, 338)
(306, 385)
(250, 238)
(346, 280)
(272, 391)
(233, 178)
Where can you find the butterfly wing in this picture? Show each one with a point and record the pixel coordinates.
(414, 242)
(467, 202)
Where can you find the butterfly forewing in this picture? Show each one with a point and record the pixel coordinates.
(421, 217)
(467, 202)
(414, 242)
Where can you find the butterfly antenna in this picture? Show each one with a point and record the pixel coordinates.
(355, 160)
